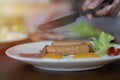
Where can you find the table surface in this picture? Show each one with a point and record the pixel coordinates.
(11, 69)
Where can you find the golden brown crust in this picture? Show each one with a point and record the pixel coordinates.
(67, 42)
(72, 42)
(67, 50)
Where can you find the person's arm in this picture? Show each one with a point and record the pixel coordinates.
(109, 10)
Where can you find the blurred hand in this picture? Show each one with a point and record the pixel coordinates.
(91, 4)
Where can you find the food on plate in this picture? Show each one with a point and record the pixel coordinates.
(67, 50)
(80, 49)
(112, 51)
(103, 43)
(71, 42)
(53, 56)
(63, 50)
(86, 55)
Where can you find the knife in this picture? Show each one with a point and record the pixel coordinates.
(59, 22)
(70, 18)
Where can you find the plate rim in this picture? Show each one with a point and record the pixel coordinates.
(56, 60)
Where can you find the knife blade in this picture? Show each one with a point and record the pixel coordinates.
(59, 22)
(70, 18)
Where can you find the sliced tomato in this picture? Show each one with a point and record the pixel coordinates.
(118, 50)
(112, 51)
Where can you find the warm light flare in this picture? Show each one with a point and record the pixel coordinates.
(6, 10)
(21, 7)
(11, 10)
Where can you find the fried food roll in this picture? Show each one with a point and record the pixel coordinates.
(67, 42)
(72, 42)
(67, 50)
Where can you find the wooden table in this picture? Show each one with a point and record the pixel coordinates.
(15, 70)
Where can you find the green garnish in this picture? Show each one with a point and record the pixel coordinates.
(84, 29)
(102, 44)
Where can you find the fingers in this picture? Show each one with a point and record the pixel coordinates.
(91, 4)
(86, 4)
(115, 8)
(85, 7)
(103, 11)
(94, 4)
(115, 2)
(109, 10)
(89, 16)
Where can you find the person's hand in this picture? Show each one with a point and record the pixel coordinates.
(91, 4)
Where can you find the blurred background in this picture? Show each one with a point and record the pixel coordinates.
(26, 15)
(31, 13)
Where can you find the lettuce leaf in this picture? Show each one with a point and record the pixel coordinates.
(102, 44)
(84, 29)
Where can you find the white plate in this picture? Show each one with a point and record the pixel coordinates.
(58, 65)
